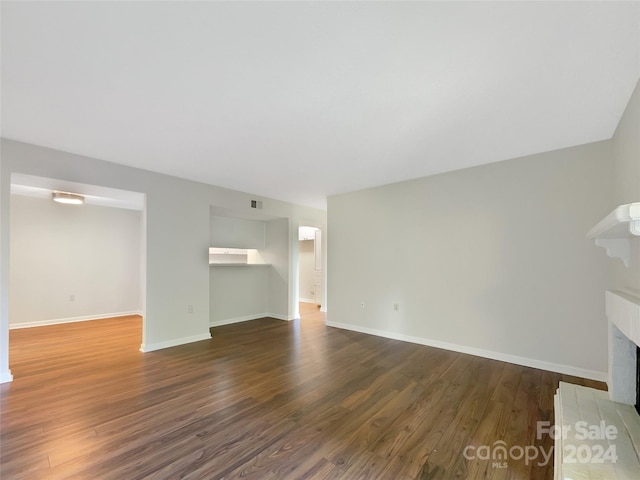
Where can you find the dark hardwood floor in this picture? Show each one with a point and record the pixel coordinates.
(264, 399)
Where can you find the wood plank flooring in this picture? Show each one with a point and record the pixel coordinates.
(264, 399)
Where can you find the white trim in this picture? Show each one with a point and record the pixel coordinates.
(277, 316)
(306, 300)
(621, 223)
(323, 309)
(173, 343)
(503, 357)
(56, 321)
(614, 231)
(246, 318)
(623, 310)
(6, 377)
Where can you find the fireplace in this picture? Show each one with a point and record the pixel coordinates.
(618, 409)
(638, 380)
(623, 313)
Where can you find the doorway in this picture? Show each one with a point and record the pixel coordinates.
(81, 262)
(310, 271)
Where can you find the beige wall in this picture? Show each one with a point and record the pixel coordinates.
(306, 267)
(89, 252)
(278, 242)
(491, 260)
(626, 168)
(238, 293)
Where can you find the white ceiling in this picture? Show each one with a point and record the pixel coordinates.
(300, 100)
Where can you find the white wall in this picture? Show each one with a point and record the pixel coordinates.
(238, 293)
(5, 372)
(306, 260)
(237, 232)
(177, 235)
(626, 168)
(491, 260)
(90, 252)
(276, 253)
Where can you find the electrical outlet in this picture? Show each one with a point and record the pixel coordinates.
(361, 304)
(72, 298)
(396, 307)
(190, 309)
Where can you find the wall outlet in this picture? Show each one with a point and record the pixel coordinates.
(190, 309)
(396, 307)
(72, 298)
(361, 304)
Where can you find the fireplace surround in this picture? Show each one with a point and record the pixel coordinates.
(616, 456)
(638, 380)
(575, 406)
(623, 314)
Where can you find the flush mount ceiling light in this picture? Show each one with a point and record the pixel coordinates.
(68, 198)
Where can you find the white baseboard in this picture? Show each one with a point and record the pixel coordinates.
(173, 343)
(247, 318)
(503, 357)
(85, 318)
(306, 300)
(277, 316)
(6, 377)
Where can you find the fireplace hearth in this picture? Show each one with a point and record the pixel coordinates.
(619, 408)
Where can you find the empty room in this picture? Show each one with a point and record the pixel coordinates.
(320, 240)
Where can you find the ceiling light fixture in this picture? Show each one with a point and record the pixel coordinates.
(68, 198)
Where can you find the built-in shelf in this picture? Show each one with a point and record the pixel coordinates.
(235, 257)
(229, 264)
(615, 231)
(228, 251)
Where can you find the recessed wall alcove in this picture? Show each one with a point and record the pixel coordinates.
(249, 266)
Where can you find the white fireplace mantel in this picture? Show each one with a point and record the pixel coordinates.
(615, 231)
